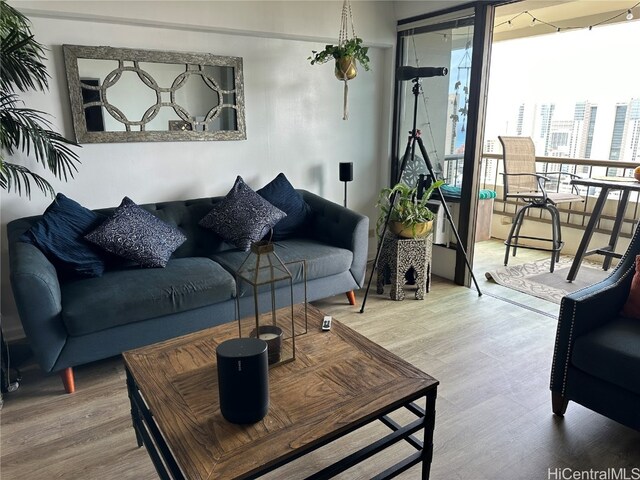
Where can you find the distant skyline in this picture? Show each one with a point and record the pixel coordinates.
(598, 66)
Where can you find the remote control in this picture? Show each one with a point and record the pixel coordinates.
(326, 323)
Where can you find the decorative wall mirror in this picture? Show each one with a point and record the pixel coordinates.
(127, 95)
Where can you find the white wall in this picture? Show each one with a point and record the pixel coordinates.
(293, 110)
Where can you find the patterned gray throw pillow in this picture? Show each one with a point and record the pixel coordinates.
(137, 235)
(242, 216)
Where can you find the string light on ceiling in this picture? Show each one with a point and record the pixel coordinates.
(534, 21)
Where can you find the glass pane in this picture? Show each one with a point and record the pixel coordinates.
(443, 101)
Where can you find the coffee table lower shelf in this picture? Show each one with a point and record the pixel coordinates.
(149, 435)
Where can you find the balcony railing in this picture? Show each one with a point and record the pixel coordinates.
(574, 215)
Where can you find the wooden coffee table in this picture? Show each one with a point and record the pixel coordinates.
(339, 382)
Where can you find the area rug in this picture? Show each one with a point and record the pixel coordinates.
(535, 278)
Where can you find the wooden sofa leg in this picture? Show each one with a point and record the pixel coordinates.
(351, 296)
(68, 380)
(558, 403)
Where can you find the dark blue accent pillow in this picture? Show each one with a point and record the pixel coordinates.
(242, 216)
(281, 194)
(59, 234)
(133, 233)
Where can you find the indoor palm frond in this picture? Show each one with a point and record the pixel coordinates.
(14, 177)
(24, 129)
(27, 130)
(22, 66)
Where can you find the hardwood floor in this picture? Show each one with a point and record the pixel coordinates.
(493, 419)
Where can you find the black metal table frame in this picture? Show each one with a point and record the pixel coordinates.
(149, 435)
(607, 251)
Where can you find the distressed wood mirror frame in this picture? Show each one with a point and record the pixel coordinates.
(128, 95)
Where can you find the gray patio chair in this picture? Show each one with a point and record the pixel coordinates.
(523, 184)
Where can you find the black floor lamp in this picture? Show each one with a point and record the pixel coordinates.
(346, 175)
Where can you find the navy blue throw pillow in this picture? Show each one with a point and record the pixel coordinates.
(59, 234)
(135, 234)
(281, 194)
(242, 216)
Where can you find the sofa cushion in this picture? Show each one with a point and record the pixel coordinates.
(321, 260)
(242, 217)
(611, 353)
(134, 294)
(59, 234)
(280, 193)
(135, 234)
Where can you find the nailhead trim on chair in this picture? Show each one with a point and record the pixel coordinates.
(555, 347)
(566, 363)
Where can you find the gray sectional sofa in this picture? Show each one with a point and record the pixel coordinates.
(73, 322)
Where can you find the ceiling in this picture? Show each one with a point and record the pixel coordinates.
(563, 14)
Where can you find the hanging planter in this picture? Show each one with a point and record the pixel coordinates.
(346, 68)
(348, 51)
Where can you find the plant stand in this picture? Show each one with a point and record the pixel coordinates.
(398, 255)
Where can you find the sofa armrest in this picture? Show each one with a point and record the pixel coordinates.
(36, 291)
(340, 227)
(590, 308)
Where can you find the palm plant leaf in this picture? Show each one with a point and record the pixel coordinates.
(21, 67)
(25, 129)
(21, 56)
(15, 177)
(12, 19)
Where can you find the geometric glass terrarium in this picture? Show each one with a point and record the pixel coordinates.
(265, 306)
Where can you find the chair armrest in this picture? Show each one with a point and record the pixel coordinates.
(537, 175)
(540, 178)
(338, 226)
(590, 308)
(36, 291)
(572, 175)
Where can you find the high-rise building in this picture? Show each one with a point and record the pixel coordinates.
(590, 130)
(583, 131)
(546, 116)
(617, 136)
(560, 138)
(520, 122)
(584, 122)
(631, 147)
(491, 145)
(578, 125)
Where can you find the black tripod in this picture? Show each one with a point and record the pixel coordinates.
(414, 137)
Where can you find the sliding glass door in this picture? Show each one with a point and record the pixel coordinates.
(450, 111)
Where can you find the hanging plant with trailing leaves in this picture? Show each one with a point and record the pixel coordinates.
(346, 54)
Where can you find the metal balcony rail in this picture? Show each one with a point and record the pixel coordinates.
(576, 215)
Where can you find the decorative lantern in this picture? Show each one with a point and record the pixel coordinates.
(265, 301)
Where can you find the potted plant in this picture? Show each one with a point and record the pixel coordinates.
(25, 130)
(410, 217)
(345, 55)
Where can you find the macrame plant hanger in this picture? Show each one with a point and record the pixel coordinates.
(346, 67)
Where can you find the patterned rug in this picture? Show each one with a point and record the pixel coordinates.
(535, 278)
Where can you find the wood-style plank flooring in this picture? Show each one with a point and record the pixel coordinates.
(493, 421)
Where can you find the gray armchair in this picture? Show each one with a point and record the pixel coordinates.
(596, 362)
